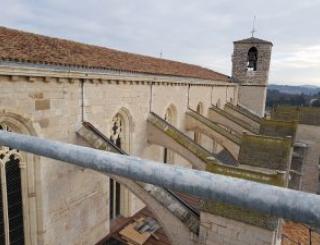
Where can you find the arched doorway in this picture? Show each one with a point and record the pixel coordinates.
(120, 135)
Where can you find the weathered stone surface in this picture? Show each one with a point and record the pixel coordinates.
(304, 115)
(244, 115)
(252, 92)
(41, 105)
(230, 141)
(265, 152)
(226, 231)
(226, 119)
(68, 194)
(278, 128)
(44, 123)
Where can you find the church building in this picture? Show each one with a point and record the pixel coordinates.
(163, 110)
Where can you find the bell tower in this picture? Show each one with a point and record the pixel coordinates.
(250, 68)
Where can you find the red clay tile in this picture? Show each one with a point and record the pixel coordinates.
(28, 47)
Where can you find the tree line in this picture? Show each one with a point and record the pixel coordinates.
(275, 98)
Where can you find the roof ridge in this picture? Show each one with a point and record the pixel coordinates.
(92, 55)
(253, 39)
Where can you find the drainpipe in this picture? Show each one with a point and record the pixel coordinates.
(82, 99)
(188, 102)
(151, 96)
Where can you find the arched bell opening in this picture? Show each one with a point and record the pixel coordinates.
(252, 60)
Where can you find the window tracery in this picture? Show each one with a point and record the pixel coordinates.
(116, 131)
(120, 134)
(11, 205)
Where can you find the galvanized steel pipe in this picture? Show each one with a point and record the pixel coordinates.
(280, 202)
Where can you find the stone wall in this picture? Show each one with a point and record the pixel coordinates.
(74, 202)
(278, 128)
(310, 135)
(308, 119)
(65, 194)
(253, 98)
(304, 115)
(265, 152)
(216, 230)
(252, 92)
(240, 60)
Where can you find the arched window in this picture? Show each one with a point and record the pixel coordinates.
(200, 108)
(116, 131)
(120, 131)
(252, 59)
(120, 136)
(171, 117)
(218, 104)
(11, 205)
(197, 134)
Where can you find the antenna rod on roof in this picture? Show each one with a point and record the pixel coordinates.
(253, 26)
(161, 53)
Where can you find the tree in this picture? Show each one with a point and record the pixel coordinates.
(316, 103)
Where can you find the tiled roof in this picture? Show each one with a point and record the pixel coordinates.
(295, 233)
(253, 40)
(28, 47)
(119, 223)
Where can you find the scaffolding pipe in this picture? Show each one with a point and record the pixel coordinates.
(280, 202)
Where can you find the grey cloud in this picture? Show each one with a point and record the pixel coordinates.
(199, 32)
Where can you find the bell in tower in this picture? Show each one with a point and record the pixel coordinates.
(252, 59)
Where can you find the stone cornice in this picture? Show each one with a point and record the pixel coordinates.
(15, 71)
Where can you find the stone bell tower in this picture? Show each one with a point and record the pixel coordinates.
(250, 68)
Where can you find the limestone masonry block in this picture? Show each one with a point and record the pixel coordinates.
(41, 105)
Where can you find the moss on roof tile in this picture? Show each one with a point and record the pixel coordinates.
(265, 152)
(304, 115)
(278, 128)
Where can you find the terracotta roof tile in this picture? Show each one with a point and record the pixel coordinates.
(295, 233)
(28, 47)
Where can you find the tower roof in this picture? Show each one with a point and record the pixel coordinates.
(252, 40)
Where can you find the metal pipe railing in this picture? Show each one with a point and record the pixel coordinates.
(272, 200)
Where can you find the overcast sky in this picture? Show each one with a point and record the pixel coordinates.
(194, 31)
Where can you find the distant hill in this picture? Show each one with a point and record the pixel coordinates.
(305, 89)
(305, 95)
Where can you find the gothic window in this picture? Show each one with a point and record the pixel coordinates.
(252, 59)
(170, 117)
(114, 187)
(200, 108)
(11, 205)
(116, 131)
(218, 104)
(167, 117)
(197, 134)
